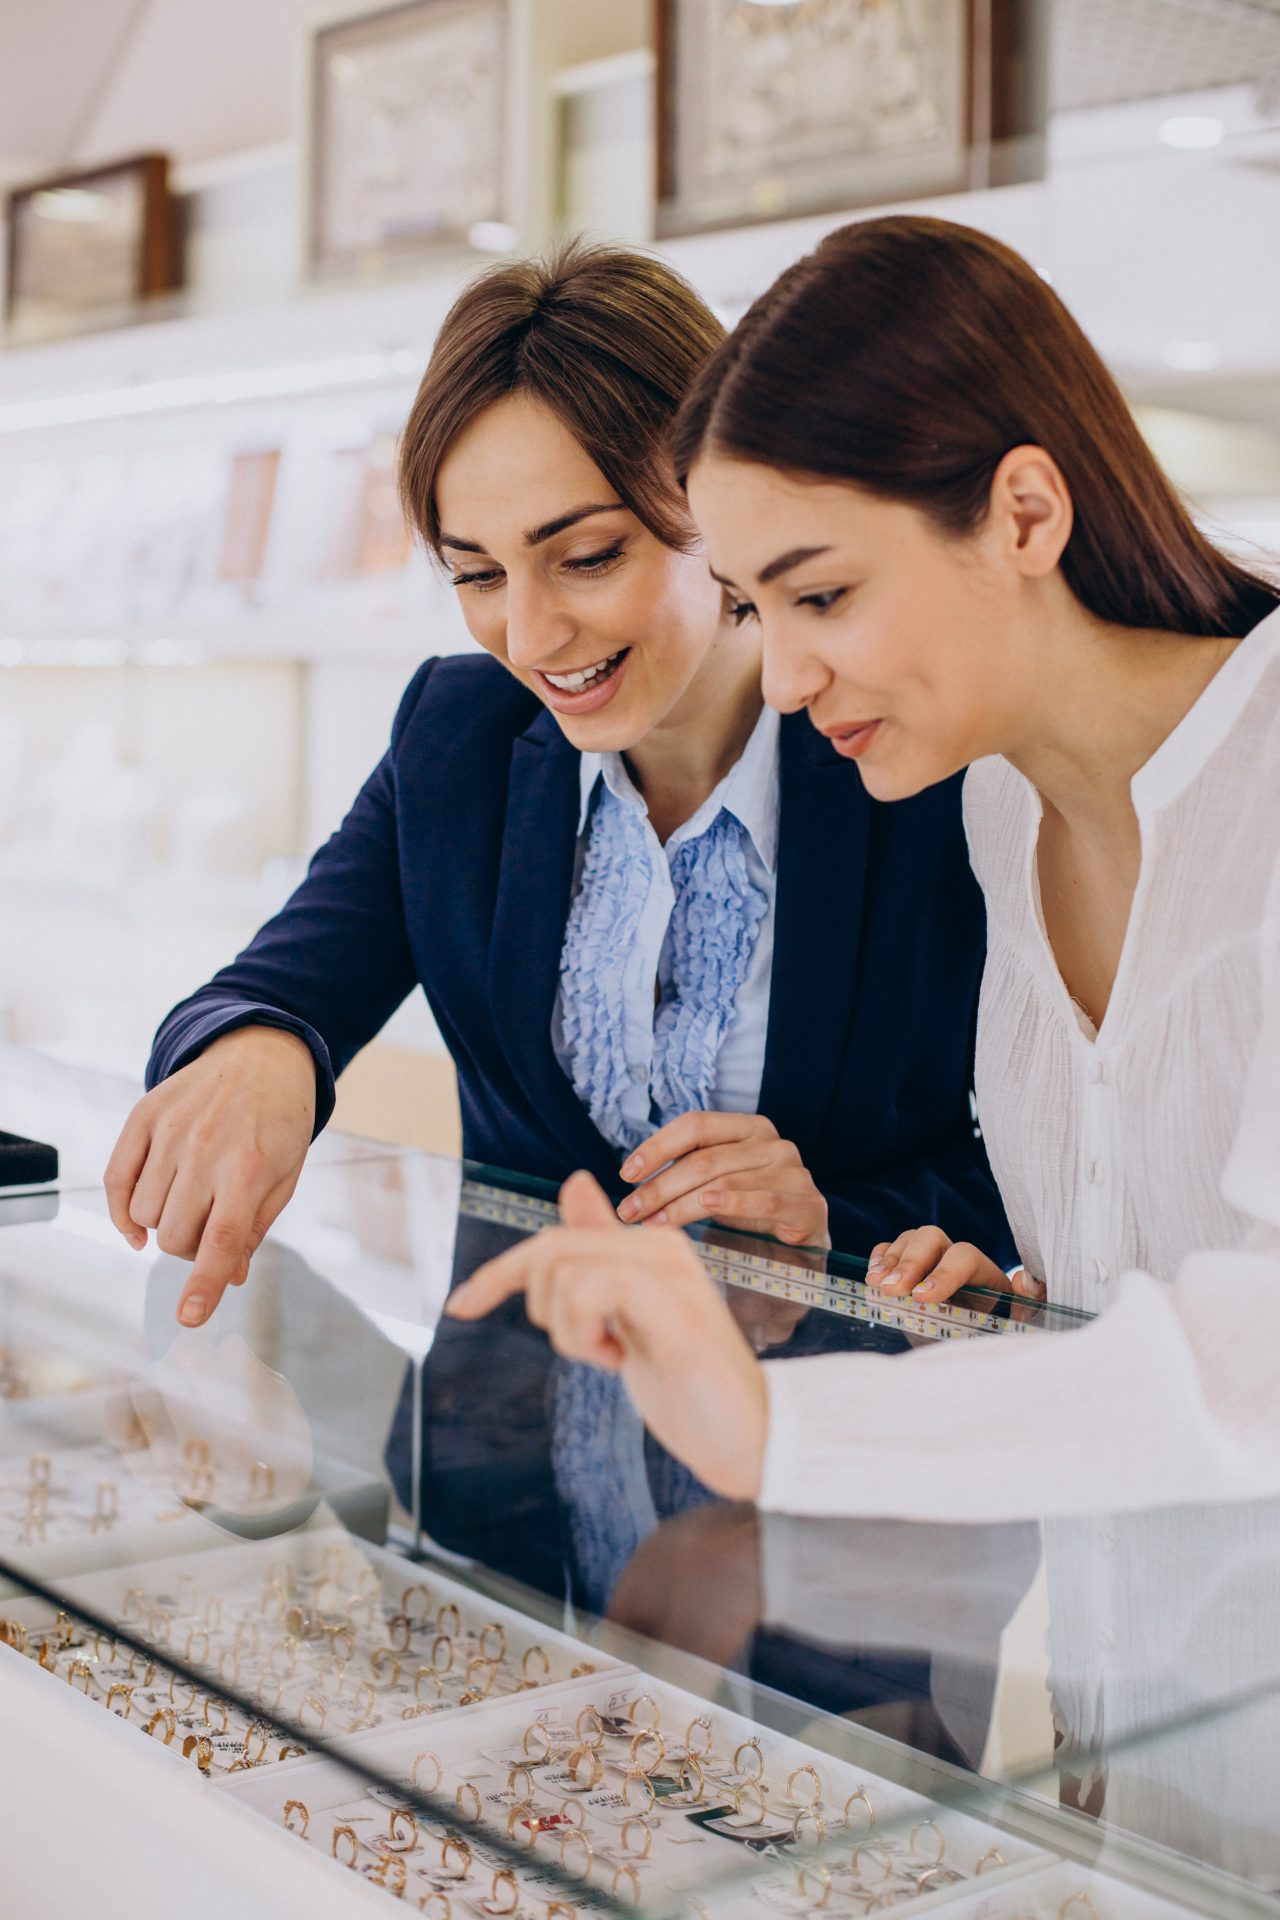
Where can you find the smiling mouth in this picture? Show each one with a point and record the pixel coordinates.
(584, 677)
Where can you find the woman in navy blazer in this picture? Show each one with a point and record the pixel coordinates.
(465, 859)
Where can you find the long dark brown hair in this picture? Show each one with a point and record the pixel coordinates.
(609, 339)
(907, 355)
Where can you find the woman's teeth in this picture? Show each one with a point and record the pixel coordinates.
(575, 682)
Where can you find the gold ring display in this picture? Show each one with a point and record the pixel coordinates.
(297, 1806)
(163, 1717)
(507, 1881)
(749, 1746)
(591, 1735)
(576, 1838)
(637, 1820)
(418, 1759)
(648, 1736)
(860, 1796)
(702, 1724)
(801, 1773)
(692, 1780)
(198, 1747)
(576, 1758)
(649, 1726)
(403, 1819)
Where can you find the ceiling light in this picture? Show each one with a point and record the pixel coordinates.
(1192, 130)
(1192, 356)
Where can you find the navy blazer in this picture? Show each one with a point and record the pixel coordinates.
(454, 870)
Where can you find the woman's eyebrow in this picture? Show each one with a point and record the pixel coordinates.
(785, 562)
(537, 535)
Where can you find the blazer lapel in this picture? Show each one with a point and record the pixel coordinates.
(822, 868)
(534, 886)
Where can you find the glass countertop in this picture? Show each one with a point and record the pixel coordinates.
(428, 1598)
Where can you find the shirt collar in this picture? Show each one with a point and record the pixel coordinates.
(1206, 725)
(749, 791)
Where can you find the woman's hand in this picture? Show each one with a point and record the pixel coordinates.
(727, 1167)
(211, 1156)
(925, 1263)
(642, 1305)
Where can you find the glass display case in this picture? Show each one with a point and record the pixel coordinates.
(337, 1601)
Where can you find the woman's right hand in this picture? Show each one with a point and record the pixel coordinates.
(211, 1156)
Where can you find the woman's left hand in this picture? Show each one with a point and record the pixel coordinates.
(729, 1167)
(643, 1305)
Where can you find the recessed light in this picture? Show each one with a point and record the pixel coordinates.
(1192, 356)
(1192, 130)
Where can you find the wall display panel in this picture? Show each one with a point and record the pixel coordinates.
(407, 143)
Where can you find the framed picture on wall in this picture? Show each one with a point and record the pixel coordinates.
(406, 107)
(86, 249)
(768, 109)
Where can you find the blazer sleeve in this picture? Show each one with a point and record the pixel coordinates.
(334, 964)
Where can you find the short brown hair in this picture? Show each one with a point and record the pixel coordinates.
(609, 339)
(907, 355)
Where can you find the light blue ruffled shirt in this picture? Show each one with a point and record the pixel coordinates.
(695, 919)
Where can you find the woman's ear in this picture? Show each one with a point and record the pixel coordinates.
(1031, 508)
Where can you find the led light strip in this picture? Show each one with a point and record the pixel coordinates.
(783, 1280)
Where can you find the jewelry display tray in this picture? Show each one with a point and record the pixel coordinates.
(75, 1423)
(682, 1861)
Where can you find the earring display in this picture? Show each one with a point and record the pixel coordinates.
(334, 1636)
(626, 1786)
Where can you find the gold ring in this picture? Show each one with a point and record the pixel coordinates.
(198, 1747)
(416, 1587)
(571, 1813)
(580, 1754)
(221, 1705)
(527, 1776)
(363, 1705)
(163, 1717)
(860, 1795)
(1081, 1899)
(454, 1843)
(428, 1902)
(394, 1841)
(749, 1746)
(124, 1691)
(494, 1627)
(752, 1786)
(399, 1632)
(647, 1726)
(993, 1858)
(594, 1736)
(931, 1877)
(529, 1654)
(823, 1876)
(418, 1759)
(503, 1878)
(425, 1673)
(317, 1707)
(292, 1753)
(692, 1780)
(297, 1806)
(441, 1640)
(637, 1820)
(468, 1787)
(565, 1909)
(797, 1773)
(627, 1873)
(450, 1612)
(809, 1813)
(538, 1729)
(264, 1734)
(703, 1722)
(348, 1640)
(924, 1827)
(876, 1853)
(80, 1670)
(650, 1736)
(472, 1688)
(523, 1814)
(391, 1871)
(378, 1660)
(634, 1773)
(576, 1838)
(347, 1839)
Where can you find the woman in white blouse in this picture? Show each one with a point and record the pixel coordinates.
(909, 464)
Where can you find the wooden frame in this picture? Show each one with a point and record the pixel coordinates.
(121, 268)
(980, 58)
(405, 219)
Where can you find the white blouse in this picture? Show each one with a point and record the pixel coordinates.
(1140, 1168)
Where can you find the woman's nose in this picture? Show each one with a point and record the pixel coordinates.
(536, 627)
(792, 677)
